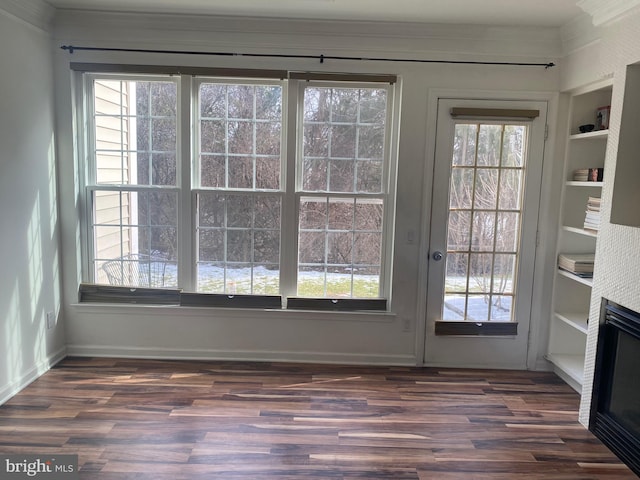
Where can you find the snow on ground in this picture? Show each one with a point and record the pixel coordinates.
(212, 277)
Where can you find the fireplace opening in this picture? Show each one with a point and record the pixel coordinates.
(615, 415)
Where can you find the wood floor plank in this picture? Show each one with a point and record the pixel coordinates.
(160, 419)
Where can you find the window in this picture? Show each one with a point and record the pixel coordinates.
(200, 203)
(239, 201)
(342, 194)
(134, 195)
(483, 232)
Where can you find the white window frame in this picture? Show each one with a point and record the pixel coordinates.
(388, 180)
(89, 167)
(197, 189)
(187, 170)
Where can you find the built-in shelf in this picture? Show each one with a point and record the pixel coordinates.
(572, 293)
(577, 320)
(571, 183)
(580, 231)
(571, 365)
(585, 281)
(594, 134)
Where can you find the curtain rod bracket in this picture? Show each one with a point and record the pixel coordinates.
(321, 58)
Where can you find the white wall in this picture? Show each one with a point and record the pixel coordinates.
(29, 226)
(617, 268)
(330, 337)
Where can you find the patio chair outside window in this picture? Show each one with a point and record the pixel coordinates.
(136, 270)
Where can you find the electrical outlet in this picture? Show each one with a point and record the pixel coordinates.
(51, 320)
(406, 324)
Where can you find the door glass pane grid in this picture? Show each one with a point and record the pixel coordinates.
(483, 235)
(135, 139)
(343, 139)
(135, 238)
(339, 246)
(238, 243)
(240, 136)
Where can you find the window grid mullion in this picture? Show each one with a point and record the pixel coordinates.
(149, 147)
(254, 147)
(356, 152)
(254, 181)
(121, 232)
(225, 254)
(253, 238)
(325, 256)
(353, 239)
(330, 141)
(226, 142)
(473, 199)
(495, 225)
(122, 129)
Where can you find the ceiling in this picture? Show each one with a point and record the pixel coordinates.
(543, 13)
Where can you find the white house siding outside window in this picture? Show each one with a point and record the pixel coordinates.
(224, 201)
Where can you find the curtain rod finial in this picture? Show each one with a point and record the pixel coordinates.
(67, 47)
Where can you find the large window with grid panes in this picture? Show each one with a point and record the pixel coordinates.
(239, 186)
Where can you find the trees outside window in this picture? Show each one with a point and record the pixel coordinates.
(238, 170)
(483, 231)
(341, 206)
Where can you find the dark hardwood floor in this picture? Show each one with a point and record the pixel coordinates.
(145, 419)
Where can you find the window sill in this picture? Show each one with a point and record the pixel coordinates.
(140, 297)
(230, 313)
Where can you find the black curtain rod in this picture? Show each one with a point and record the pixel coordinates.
(321, 58)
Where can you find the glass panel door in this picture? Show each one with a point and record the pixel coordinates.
(484, 219)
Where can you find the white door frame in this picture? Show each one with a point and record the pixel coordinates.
(547, 219)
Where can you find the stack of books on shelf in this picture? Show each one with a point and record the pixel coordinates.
(588, 174)
(581, 175)
(592, 218)
(580, 264)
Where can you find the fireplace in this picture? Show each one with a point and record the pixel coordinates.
(615, 405)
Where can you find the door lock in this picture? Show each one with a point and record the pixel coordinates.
(437, 256)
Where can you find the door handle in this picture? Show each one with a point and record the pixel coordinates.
(437, 256)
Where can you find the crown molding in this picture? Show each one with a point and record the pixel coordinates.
(271, 25)
(611, 11)
(36, 13)
(578, 34)
(242, 32)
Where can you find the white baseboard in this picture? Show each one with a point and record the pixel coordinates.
(235, 355)
(8, 391)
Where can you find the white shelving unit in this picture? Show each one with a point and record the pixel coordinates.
(584, 281)
(580, 231)
(572, 294)
(574, 319)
